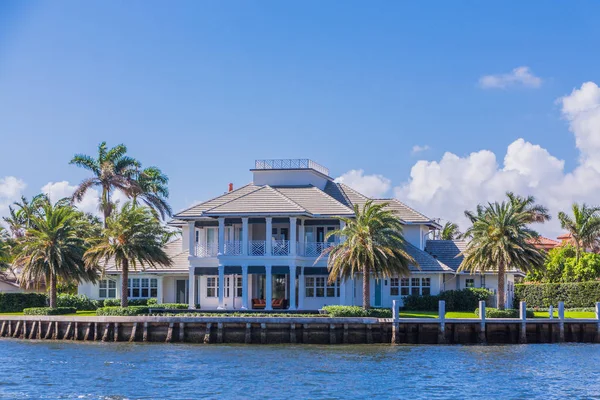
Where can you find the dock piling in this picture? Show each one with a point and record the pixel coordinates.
(442, 322)
(482, 338)
(561, 321)
(523, 326)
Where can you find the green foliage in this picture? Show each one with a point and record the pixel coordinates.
(170, 306)
(450, 231)
(152, 301)
(132, 302)
(49, 311)
(122, 311)
(574, 295)
(583, 225)
(507, 313)
(16, 302)
(355, 311)
(77, 301)
(456, 300)
(562, 266)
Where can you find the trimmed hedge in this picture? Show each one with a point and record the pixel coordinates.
(507, 313)
(131, 302)
(456, 300)
(79, 301)
(122, 311)
(170, 306)
(355, 311)
(17, 302)
(49, 311)
(575, 295)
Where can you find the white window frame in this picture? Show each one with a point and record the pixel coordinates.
(212, 286)
(394, 287)
(106, 282)
(138, 283)
(404, 286)
(469, 283)
(318, 284)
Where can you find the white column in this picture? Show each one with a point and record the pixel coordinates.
(244, 287)
(301, 237)
(221, 285)
(292, 286)
(269, 288)
(342, 291)
(159, 290)
(221, 236)
(301, 289)
(342, 226)
(268, 235)
(232, 282)
(192, 238)
(192, 288)
(245, 236)
(293, 240)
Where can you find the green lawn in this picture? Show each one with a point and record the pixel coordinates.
(538, 314)
(78, 314)
(568, 314)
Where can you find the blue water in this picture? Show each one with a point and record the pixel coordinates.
(63, 370)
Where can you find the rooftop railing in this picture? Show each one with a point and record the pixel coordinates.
(291, 163)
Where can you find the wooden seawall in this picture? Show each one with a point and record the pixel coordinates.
(316, 330)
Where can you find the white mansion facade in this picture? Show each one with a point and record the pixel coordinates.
(256, 247)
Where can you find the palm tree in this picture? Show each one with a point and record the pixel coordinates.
(536, 212)
(20, 214)
(373, 245)
(132, 237)
(584, 226)
(53, 246)
(152, 190)
(501, 239)
(112, 170)
(5, 250)
(450, 231)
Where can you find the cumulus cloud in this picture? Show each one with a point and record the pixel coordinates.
(89, 203)
(518, 76)
(369, 185)
(11, 189)
(419, 149)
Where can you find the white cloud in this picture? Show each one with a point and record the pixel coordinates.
(418, 149)
(447, 187)
(518, 76)
(11, 189)
(60, 190)
(369, 185)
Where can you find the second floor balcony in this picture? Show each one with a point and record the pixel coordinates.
(261, 248)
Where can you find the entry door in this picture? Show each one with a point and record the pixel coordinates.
(377, 293)
(181, 291)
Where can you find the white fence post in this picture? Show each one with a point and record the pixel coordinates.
(561, 321)
(551, 312)
(395, 321)
(396, 310)
(442, 319)
(598, 322)
(523, 316)
(482, 321)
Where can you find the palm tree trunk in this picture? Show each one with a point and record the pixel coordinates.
(52, 291)
(366, 288)
(105, 204)
(501, 294)
(125, 283)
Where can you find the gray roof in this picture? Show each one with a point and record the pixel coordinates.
(427, 263)
(196, 210)
(447, 251)
(314, 200)
(263, 200)
(173, 250)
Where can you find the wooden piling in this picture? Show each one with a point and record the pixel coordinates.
(332, 338)
(88, 329)
(305, 333)
(133, 331)
(263, 333)
(248, 334)
(17, 329)
(55, 333)
(67, 332)
(48, 330)
(170, 333)
(24, 332)
(95, 331)
(2, 328)
(220, 332)
(345, 336)
(293, 338)
(33, 330)
(181, 332)
(76, 332)
(116, 332)
(39, 330)
(105, 335)
(369, 334)
(207, 333)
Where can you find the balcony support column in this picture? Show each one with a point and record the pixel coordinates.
(342, 226)
(191, 289)
(244, 287)
(192, 238)
(302, 251)
(221, 286)
(301, 289)
(221, 236)
(245, 236)
(269, 288)
(292, 286)
(293, 244)
(268, 236)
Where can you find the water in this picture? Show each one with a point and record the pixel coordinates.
(61, 370)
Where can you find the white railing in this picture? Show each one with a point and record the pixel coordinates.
(296, 163)
(314, 249)
(233, 248)
(257, 247)
(280, 247)
(207, 249)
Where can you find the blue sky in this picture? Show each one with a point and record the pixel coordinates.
(202, 89)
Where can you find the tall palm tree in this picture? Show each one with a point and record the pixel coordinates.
(450, 231)
(501, 239)
(132, 237)
(584, 226)
(112, 170)
(21, 213)
(53, 246)
(373, 245)
(152, 190)
(536, 212)
(5, 250)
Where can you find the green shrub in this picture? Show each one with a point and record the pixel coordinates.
(355, 311)
(131, 302)
(152, 301)
(79, 301)
(170, 306)
(574, 295)
(122, 311)
(456, 300)
(17, 302)
(49, 311)
(507, 313)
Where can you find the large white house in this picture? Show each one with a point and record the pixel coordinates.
(261, 241)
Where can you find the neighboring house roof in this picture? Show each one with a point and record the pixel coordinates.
(545, 243)
(173, 250)
(447, 251)
(427, 263)
(565, 236)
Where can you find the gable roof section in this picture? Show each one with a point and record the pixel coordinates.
(427, 263)
(196, 210)
(173, 250)
(404, 212)
(314, 200)
(447, 251)
(262, 201)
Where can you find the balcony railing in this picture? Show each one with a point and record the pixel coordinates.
(280, 247)
(314, 249)
(295, 163)
(259, 248)
(233, 248)
(207, 249)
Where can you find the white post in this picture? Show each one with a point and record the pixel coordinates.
(269, 288)
(293, 241)
(396, 310)
(301, 237)
(551, 312)
(523, 316)
(442, 319)
(192, 289)
(342, 226)
(482, 321)
(342, 291)
(561, 310)
(301, 289)
(442, 311)
(192, 238)
(221, 236)
(597, 322)
(221, 285)
(245, 236)
(268, 236)
(159, 290)
(598, 311)
(232, 291)
(244, 287)
(292, 286)
(561, 321)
